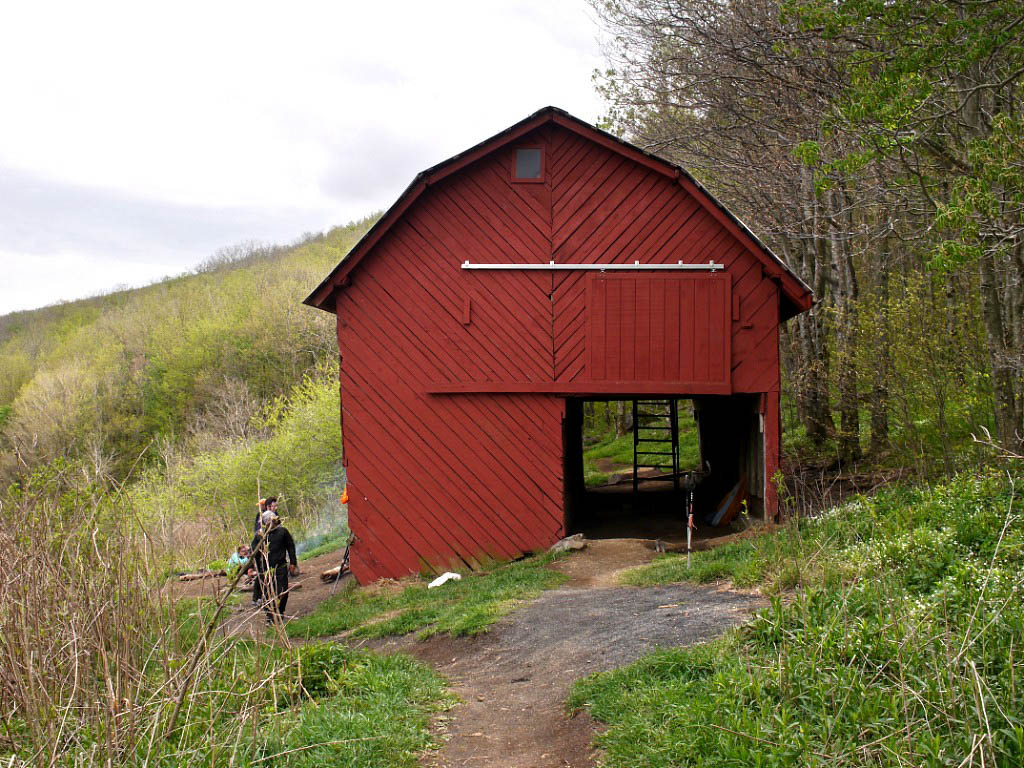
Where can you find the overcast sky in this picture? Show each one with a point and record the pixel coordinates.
(137, 138)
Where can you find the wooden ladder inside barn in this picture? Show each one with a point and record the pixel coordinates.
(655, 426)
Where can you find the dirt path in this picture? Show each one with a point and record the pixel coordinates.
(308, 591)
(612, 467)
(514, 680)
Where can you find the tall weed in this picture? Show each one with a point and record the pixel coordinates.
(99, 667)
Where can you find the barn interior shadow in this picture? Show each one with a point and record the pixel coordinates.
(717, 446)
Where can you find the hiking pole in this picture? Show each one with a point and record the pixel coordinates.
(689, 529)
(689, 483)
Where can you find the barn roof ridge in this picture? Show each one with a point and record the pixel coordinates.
(799, 293)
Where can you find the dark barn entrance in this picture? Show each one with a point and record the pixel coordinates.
(636, 484)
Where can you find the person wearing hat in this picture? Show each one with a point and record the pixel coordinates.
(260, 509)
(273, 551)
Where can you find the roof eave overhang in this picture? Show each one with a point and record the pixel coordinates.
(796, 295)
(320, 297)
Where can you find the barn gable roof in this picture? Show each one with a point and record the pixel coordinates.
(796, 295)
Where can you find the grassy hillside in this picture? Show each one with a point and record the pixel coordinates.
(194, 355)
(99, 668)
(195, 394)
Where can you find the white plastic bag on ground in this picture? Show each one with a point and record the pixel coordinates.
(444, 578)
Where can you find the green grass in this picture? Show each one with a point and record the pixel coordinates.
(259, 703)
(465, 607)
(617, 449)
(804, 553)
(620, 450)
(368, 709)
(902, 648)
(336, 705)
(329, 544)
(745, 563)
(331, 706)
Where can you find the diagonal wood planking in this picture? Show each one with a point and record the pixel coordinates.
(607, 211)
(447, 481)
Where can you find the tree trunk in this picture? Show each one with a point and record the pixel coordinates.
(1000, 357)
(623, 417)
(814, 375)
(846, 330)
(880, 371)
(1016, 303)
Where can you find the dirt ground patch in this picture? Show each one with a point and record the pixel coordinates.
(514, 680)
(600, 564)
(304, 599)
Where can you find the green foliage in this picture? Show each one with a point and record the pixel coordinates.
(887, 139)
(808, 152)
(938, 390)
(896, 652)
(934, 88)
(113, 379)
(465, 607)
(937, 372)
(298, 461)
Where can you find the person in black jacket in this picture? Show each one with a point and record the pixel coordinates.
(273, 551)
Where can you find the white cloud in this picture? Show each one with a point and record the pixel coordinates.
(305, 107)
(28, 278)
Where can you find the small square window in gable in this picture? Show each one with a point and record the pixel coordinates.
(529, 164)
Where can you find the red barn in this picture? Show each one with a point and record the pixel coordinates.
(550, 264)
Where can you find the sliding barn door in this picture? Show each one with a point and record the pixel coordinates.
(653, 328)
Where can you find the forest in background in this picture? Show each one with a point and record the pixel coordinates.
(878, 148)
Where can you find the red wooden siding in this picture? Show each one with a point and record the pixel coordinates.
(477, 216)
(608, 209)
(435, 482)
(755, 356)
(668, 328)
(451, 377)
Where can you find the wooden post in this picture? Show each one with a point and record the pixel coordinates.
(770, 417)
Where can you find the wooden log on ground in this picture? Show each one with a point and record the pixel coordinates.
(200, 575)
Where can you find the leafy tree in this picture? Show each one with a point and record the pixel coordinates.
(876, 146)
(936, 86)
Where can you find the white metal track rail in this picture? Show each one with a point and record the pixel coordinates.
(678, 266)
